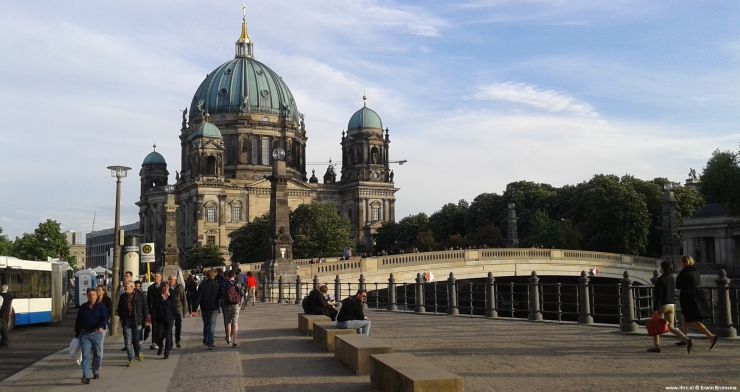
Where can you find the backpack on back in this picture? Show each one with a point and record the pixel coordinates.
(232, 295)
(306, 303)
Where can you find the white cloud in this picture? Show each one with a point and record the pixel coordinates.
(528, 95)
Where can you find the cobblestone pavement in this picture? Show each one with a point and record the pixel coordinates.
(491, 355)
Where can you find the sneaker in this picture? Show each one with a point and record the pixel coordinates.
(211, 347)
(85, 380)
(140, 357)
(153, 347)
(689, 345)
(235, 345)
(714, 343)
(681, 343)
(178, 345)
(654, 349)
(166, 356)
(130, 363)
(96, 376)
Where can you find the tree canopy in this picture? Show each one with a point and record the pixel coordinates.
(720, 180)
(46, 241)
(206, 256)
(251, 242)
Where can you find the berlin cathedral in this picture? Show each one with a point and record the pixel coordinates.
(239, 114)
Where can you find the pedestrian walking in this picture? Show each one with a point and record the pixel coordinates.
(153, 296)
(6, 311)
(90, 326)
(351, 315)
(163, 319)
(664, 306)
(177, 292)
(191, 287)
(208, 298)
(132, 311)
(695, 307)
(231, 296)
(251, 287)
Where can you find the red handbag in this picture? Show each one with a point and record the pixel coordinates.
(657, 326)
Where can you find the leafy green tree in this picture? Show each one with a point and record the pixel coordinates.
(528, 197)
(424, 241)
(319, 231)
(448, 221)
(46, 241)
(5, 244)
(688, 201)
(720, 180)
(552, 234)
(207, 256)
(409, 229)
(652, 194)
(488, 235)
(486, 209)
(613, 217)
(251, 243)
(386, 239)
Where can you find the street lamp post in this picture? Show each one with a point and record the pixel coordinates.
(118, 172)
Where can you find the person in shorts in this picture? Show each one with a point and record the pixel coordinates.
(230, 298)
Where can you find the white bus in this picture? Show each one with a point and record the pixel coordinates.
(40, 289)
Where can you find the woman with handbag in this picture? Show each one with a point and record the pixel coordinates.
(664, 308)
(694, 305)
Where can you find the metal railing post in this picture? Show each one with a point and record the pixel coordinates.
(725, 326)
(419, 300)
(535, 312)
(584, 307)
(281, 292)
(452, 296)
(491, 296)
(392, 293)
(263, 289)
(627, 304)
(298, 296)
(337, 289)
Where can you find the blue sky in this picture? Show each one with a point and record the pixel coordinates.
(476, 94)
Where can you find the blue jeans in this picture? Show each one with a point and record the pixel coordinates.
(131, 338)
(209, 326)
(92, 350)
(362, 326)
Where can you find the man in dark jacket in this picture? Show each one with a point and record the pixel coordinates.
(320, 305)
(208, 298)
(132, 311)
(90, 326)
(153, 295)
(351, 314)
(6, 307)
(177, 292)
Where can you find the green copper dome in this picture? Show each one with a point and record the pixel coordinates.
(206, 129)
(240, 84)
(154, 158)
(365, 118)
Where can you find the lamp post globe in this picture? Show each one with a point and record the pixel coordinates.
(118, 172)
(278, 154)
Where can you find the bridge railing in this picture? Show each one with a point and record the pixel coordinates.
(363, 265)
(626, 303)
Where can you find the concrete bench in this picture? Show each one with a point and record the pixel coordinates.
(324, 334)
(354, 351)
(306, 321)
(402, 372)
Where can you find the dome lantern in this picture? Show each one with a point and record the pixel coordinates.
(244, 46)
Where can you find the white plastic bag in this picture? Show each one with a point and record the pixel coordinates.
(75, 351)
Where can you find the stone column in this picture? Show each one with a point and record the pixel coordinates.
(725, 327)
(491, 296)
(452, 308)
(535, 313)
(316, 282)
(628, 306)
(419, 306)
(512, 235)
(392, 293)
(584, 300)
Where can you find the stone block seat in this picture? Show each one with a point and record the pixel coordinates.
(403, 372)
(324, 334)
(354, 351)
(306, 321)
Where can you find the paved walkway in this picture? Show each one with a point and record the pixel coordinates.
(491, 355)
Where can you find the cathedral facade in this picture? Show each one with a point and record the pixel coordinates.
(239, 114)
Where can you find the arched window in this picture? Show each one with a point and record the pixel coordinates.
(211, 166)
(210, 212)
